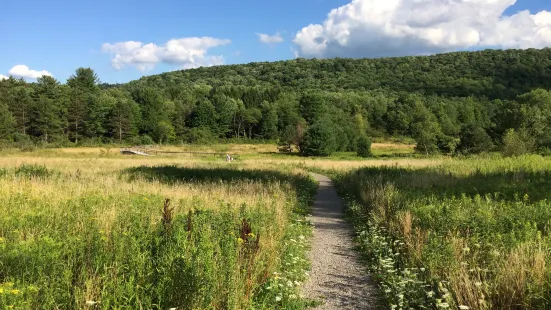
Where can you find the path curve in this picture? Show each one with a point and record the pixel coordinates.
(337, 277)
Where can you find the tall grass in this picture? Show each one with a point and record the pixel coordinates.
(468, 234)
(120, 234)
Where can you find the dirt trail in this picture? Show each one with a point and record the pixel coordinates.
(337, 277)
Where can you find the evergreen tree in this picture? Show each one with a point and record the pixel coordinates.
(20, 104)
(319, 139)
(7, 123)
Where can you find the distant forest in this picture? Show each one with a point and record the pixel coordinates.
(463, 102)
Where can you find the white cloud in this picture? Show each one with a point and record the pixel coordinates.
(268, 39)
(375, 28)
(185, 52)
(3, 77)
(22, 71)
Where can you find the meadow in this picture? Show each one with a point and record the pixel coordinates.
(88, 228)
(469, 233)
(141, 233)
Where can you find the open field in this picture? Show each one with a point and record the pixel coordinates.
(467, 234)
(98, 234)
(87, 229)
(378, 149)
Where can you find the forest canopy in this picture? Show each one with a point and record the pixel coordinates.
(463, 102)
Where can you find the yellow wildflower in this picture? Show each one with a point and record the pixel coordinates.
(239, 240)
(15, 292)
(251, 235)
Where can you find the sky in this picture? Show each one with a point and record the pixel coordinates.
(123, 40)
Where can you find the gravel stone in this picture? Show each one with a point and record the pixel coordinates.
(337, 277)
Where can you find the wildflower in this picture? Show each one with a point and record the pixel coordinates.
(239, 241)
(463, 307)
(15, 291)
(10, 306)
(444, 305)
(278, 298)
(1, 290)
(250, 235)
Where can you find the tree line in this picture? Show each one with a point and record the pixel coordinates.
(467, 102)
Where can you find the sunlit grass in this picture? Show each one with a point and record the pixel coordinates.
(91, 233)
(475, 231)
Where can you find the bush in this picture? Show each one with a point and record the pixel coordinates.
(146, 140)
(33, 171)
(319, 139)
(517, 143)
(364, 146)
(200, 135)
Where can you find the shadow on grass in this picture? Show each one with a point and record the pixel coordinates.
(505, 185)
(175, 175)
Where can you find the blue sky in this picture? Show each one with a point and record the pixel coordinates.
(59, 35)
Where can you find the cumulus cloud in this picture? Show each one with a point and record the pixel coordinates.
(186, 53)
(375, 28)
(3, 77)
(268, 39)
(22, 71)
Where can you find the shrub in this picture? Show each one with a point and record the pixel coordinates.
(33, 171)
(364, 146)
(146, 140)
(517, 143)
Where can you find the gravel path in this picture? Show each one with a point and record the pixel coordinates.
(336, 276)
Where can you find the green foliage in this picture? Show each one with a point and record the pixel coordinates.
(364, 147)
(33, 171)
(446, 103)
(200, 135)
(474, 140)
(151, 252)
(518, 142)
(319, 139)
(7, 123)
(464, 234)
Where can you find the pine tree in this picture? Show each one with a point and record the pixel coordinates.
(7, 123)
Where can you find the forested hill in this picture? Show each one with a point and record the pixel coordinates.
(467, 102)
(502, 74)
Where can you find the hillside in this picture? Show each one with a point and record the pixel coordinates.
(490, 73)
